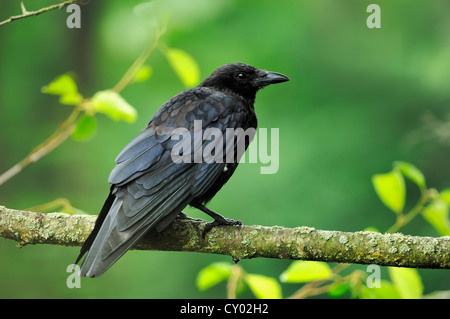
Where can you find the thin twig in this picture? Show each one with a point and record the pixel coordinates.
(235, 277)
(59, 136)
(59, 204)
(129, 75)
(65, 129)
(312, 287)
(26, 14)
(402, 220)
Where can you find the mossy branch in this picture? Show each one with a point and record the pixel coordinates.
(242, 242)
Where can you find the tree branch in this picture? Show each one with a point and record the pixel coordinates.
(244, 242)
(26, 13)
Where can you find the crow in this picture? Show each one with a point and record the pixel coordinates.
(149, 189)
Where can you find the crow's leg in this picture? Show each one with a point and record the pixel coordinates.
(219, 220)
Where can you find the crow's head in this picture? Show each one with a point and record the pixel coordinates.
(242, 79)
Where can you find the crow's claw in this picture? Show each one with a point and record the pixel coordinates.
(221, 222)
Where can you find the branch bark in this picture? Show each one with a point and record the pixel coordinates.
(242, 242)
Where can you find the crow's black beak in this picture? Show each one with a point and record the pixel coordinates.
(266, 77)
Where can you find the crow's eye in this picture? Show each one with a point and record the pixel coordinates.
(241, 76)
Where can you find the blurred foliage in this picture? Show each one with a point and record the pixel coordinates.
(358, 99)
(405, 283)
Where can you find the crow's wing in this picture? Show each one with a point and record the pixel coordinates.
(148, 188)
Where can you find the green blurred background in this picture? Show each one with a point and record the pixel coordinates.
(358, 100)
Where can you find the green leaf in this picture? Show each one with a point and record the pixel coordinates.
(113, 105)
(412, 172)
(85, 128)
(212, 275)
(339, 289)
(306, 271)
(372, 229)
(63, 84)
(143, 74)
(385, 291)
(71, 99)
(263, 287)
(445, 195)
(436, 213)
(407, 281)
(390, 188)
(184, 66)
(66, 88)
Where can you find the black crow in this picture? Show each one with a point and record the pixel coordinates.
(150, 185)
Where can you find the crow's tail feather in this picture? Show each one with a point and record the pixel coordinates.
(98, 223)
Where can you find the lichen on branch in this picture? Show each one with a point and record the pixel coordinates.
(242, 242)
